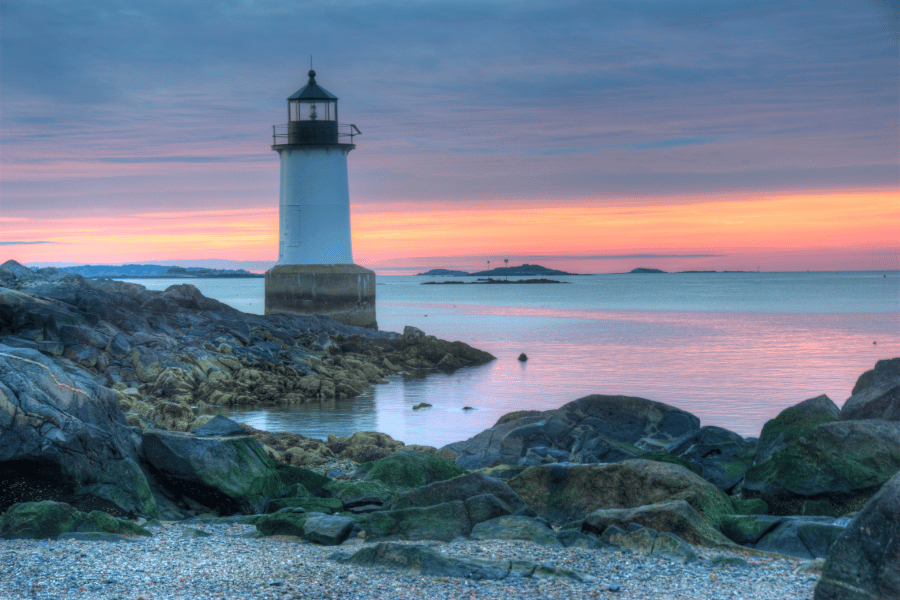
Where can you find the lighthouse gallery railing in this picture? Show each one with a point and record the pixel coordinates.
(280, 132)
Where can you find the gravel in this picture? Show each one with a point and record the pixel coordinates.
(232, 563)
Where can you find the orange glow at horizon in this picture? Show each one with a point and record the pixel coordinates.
(788, 222)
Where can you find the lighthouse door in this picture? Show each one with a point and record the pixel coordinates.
(293, 227)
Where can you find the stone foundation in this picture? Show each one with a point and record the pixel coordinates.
(343, 292)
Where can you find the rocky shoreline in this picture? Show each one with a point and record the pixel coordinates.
(100, 447)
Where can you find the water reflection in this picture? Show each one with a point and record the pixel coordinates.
(794, 340)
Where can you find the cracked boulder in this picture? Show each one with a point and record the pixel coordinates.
(64, 438)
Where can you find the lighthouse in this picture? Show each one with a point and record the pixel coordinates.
(315, 274)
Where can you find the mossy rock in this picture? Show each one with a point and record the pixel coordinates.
(311, 504)
(47, 519)
(312, 481)
(351, 490)
(501, 472)
(565, 492)
(748, 529)
(283, 522)
(409, 469)
(793, 423)
(297, 490)
(100, 521)
(665, 457)
(750, 506)
(38, 520)
(844, 462)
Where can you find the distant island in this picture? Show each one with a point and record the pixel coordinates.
(155, 271)
(525, 270)
(645, 270)
(491, 280)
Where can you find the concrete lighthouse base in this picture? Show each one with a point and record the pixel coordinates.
(344, 292)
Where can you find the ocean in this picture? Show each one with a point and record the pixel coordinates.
(732, 348)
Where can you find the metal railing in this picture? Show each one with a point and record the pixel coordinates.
(280, 132)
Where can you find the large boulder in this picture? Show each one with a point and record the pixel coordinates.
(228, 474)
(722, 455)
(588, 430)
(842, 463)
(64, 438)
(673, 516)
(876, 394)
(793, 423)
(864, 563)
(567, 492)
(409, 469)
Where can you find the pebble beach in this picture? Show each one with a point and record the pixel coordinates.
(200, 561)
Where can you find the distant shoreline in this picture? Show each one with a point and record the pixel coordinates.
(490, 281)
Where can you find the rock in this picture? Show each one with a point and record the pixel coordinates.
(444, 522)
(421, 405)
(864, 562)
(562, 493)
(643, 540)
(420, 560)
(191, 533)
(876, 394)
(803, 537)
(359, 493)
(515, 527)
(793, 423)
(409, 469)
(722, 455)
(48, 519)
(308, 504)
(459, 488)
(219, 426)
(746, 530)
(287, 521)
(327, 530)
(523, 357)
(364, 446)
(675, 516)
(12, 272)
(309, 480)
(231, 474)
(65, 439)
(843, 463)
(673, 547)
(591, 429)
(38, 520)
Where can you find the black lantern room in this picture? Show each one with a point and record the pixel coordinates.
(312, 115)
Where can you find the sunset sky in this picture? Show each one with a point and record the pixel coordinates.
(593, 136)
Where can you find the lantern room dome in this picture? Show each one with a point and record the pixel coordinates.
(312, 90)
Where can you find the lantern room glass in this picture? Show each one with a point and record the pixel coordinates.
(312, 110)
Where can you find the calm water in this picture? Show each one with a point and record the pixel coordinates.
(732, 348)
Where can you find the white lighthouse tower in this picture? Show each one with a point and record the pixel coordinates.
(315, 274)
